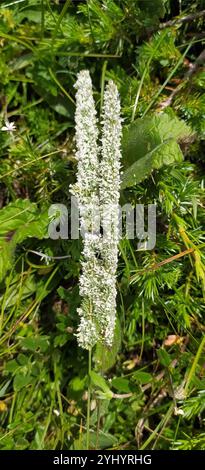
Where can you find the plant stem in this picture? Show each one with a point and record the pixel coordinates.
(89, 398)
(143, 77)
(161, 425)
(102, 83)
(98, 424)
(179, 62)
(184, 19)
(194, 365)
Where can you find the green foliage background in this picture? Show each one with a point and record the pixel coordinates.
(148, 392)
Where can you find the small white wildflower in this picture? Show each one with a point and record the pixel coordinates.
(178, 411)
(9, 126)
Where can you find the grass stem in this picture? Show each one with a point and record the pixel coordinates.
(89, 399)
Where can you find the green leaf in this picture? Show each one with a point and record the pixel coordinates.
(12, 366)
(21, 381)
(4, 388)
(77, 384)
(142, 377)
(14, 215)
(21, 444)
(76, 387)
(104, 357)
(48, 89)
(100, 382)
(18, 221)
(31, 15)
(103, 439)
(149, 144)
(33, 344)
(22, 359)
(60, 340)
(164, 357)
(121, 384)
(27, 289)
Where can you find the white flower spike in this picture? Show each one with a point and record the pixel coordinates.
(86, 192)
(97, 186)
(109, 203)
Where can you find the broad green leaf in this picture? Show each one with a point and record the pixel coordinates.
(149, 144)
(12, 366)
(104, 357)
(103, 440)
(77, 384)
(76, 387)
(33, 344)
(21, 381)
(164, 154)
(101, 383)
(22, 444)
(31, 15)
(22, 359)
(142, 377)
(18, 221)
(14, 215)
(121, 384)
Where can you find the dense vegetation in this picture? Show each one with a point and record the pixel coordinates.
(148, 391)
